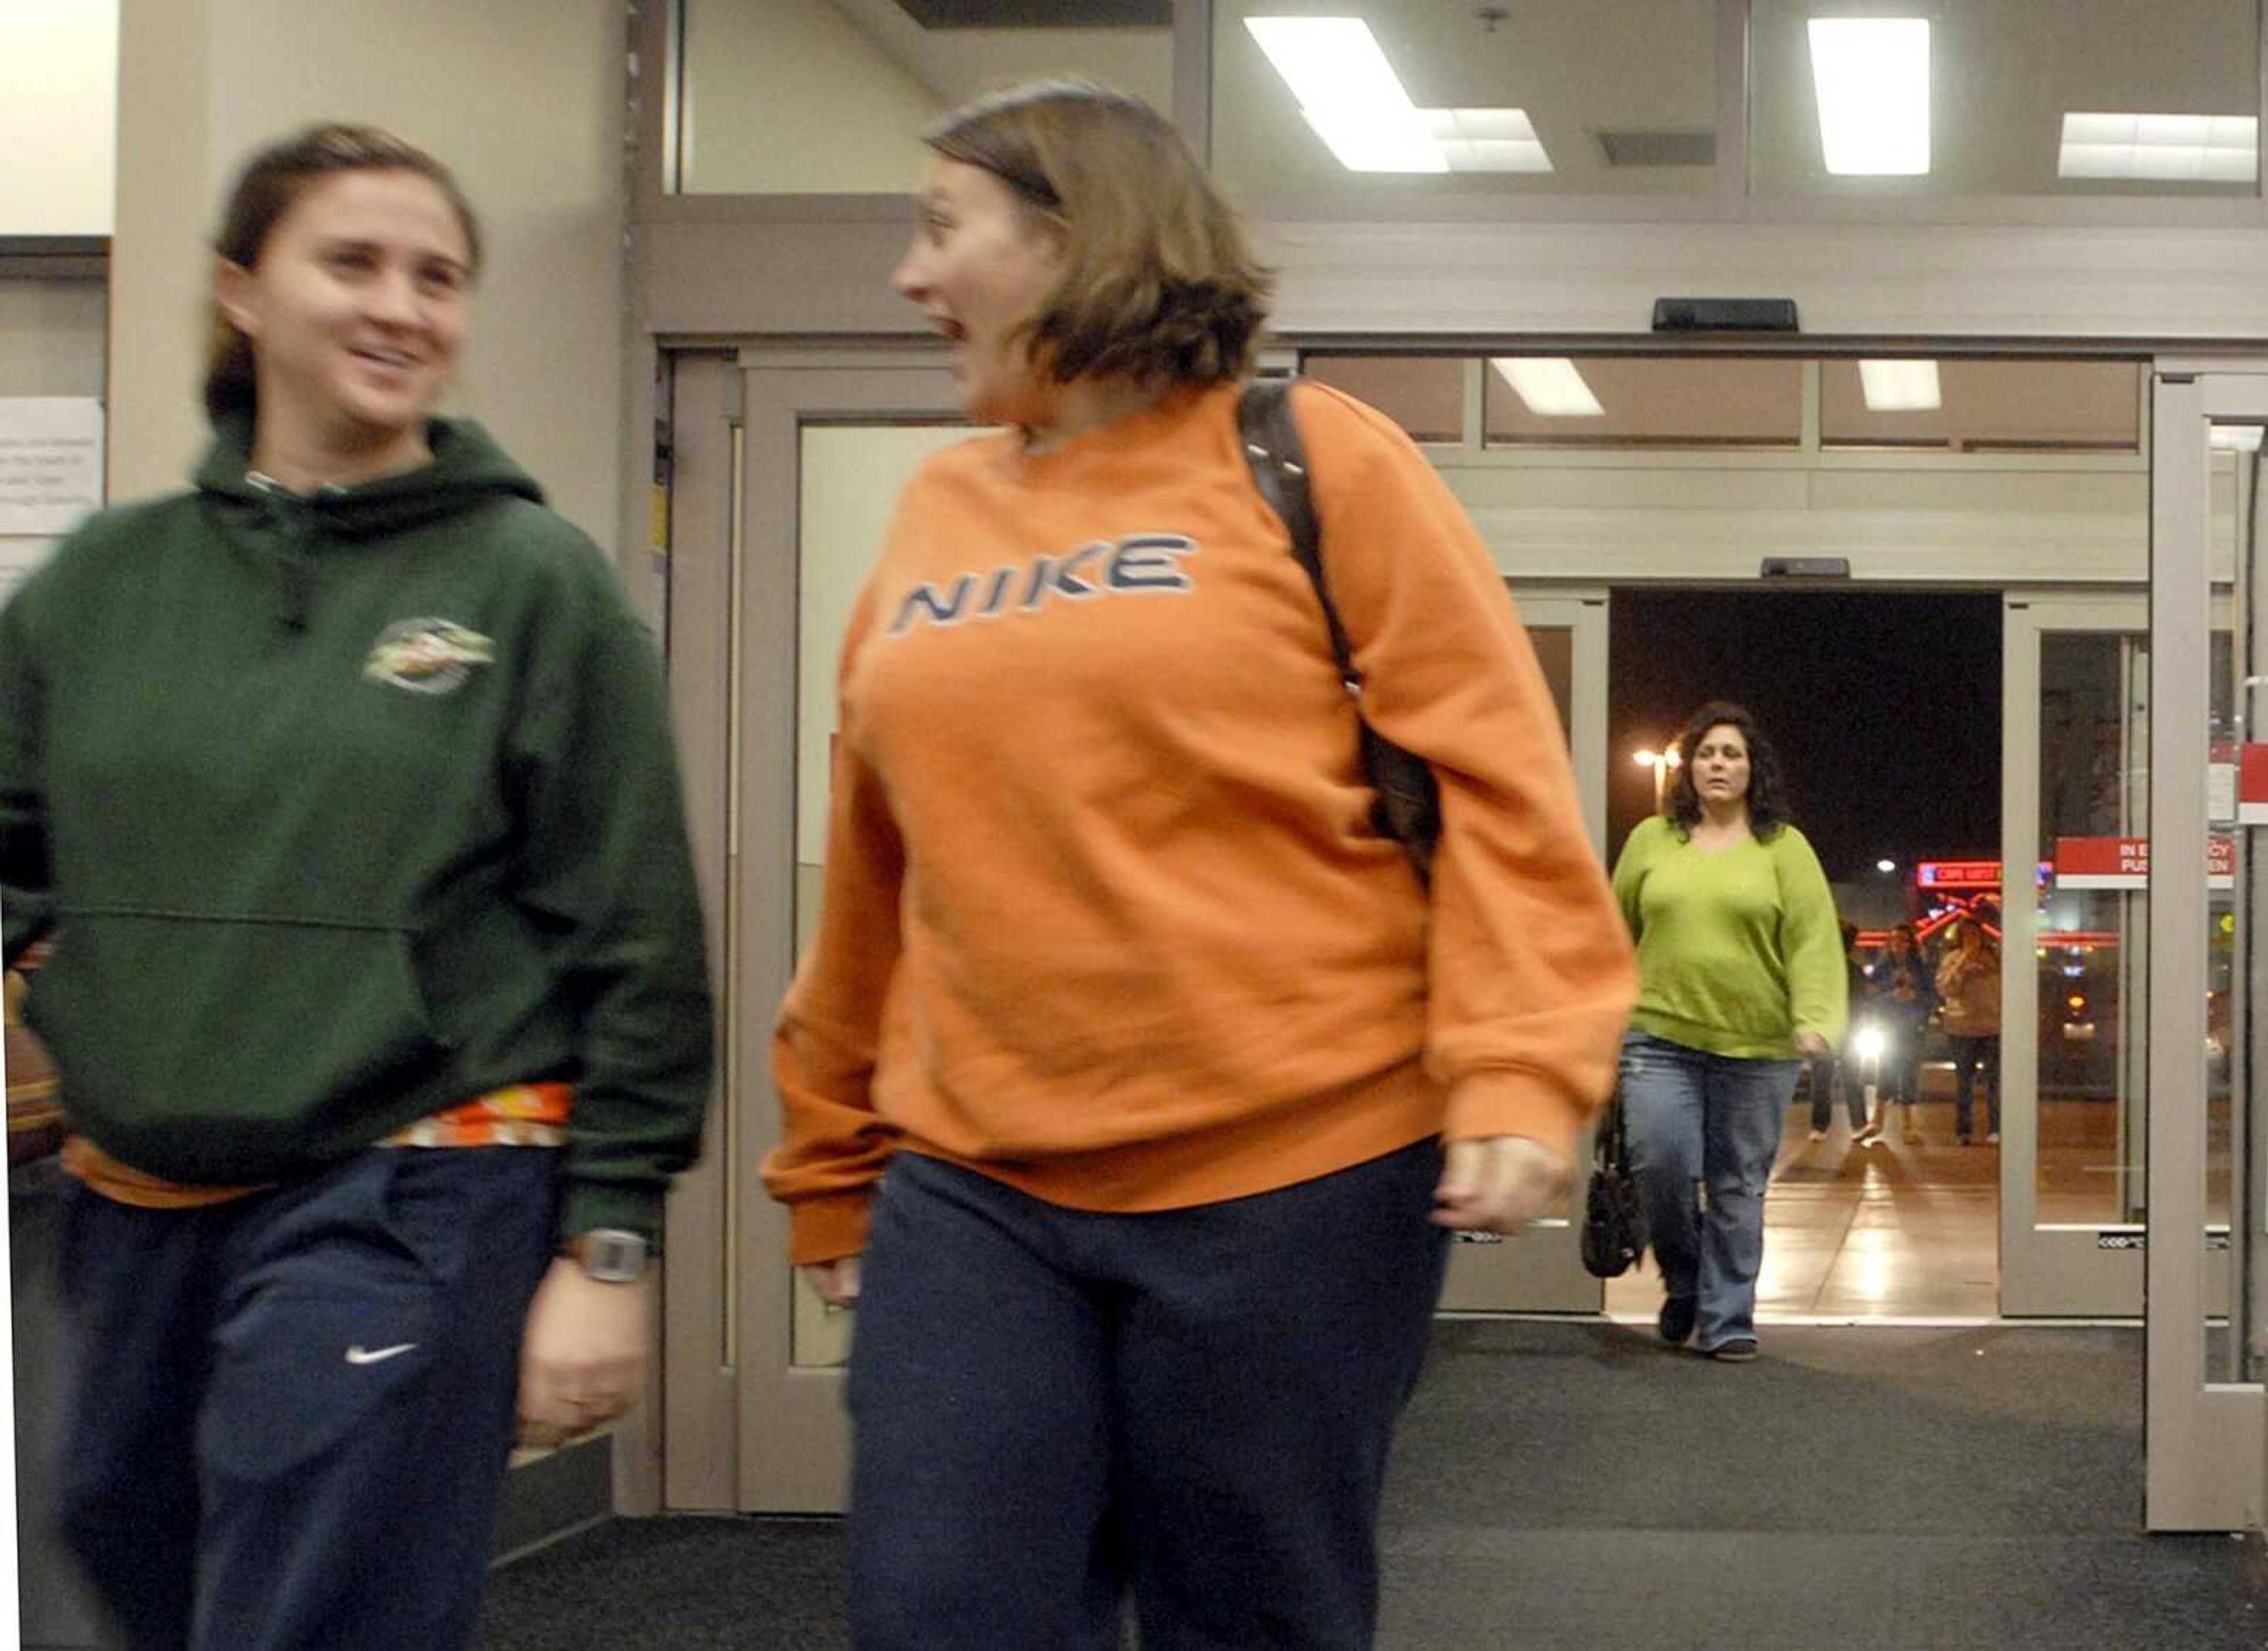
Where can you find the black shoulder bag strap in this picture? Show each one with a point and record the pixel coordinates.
(1409, 805)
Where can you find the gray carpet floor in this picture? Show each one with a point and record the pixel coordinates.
(1572, 1484)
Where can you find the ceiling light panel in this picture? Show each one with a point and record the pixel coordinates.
(1486, 140)
(1550, 386)
(1349, 94)
(1900, 386)
(2167, 148)
(1870, 77)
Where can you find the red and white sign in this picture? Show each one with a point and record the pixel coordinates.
(2252, 784)
(2124, 863)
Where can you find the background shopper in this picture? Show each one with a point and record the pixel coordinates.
(1741, 977)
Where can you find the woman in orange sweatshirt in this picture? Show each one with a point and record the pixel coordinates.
(1134, 1082)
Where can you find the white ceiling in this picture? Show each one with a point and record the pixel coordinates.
(2005, 72)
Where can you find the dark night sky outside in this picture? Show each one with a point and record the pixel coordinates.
(1885, 709)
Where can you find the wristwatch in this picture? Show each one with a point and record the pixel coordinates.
(609, 1255)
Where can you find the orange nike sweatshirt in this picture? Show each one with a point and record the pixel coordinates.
(1105, 916)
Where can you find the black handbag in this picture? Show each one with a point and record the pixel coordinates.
(1408, 807)
(1614, 1219)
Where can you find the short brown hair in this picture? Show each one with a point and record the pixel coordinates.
(1158, 282)
(271, 182)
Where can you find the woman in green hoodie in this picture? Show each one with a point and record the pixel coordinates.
(344, 786)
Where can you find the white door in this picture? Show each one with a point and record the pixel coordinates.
(1541, 1270)
(2206, 1447)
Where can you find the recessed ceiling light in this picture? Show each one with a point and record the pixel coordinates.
(2168, 148)
(1549, 385)
(1487, 140)
(2241, 438)
(1899, 386)
(1349, 94)
(1871, 78)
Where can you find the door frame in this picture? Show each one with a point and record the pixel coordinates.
(2205, 1443)
(1540, 1270)
(2066, 1270)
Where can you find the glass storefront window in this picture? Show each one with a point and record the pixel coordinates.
(1414, 98)
(2051, 97)
(830, 97)
(1982, 406)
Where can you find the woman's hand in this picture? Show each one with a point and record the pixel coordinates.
(1499, 1183)
(1813, 1046)
(836, 1281)
(582, 1357)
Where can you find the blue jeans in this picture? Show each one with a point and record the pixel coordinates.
(1697, 1117)
(1827, 1074)
(1969, 1053)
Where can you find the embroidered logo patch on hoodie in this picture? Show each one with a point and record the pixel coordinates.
(427, 655)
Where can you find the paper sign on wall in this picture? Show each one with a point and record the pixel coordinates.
(50, 476)
(50, 462)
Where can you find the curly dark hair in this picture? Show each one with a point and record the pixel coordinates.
(1767, 795)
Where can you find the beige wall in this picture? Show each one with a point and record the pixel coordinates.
(791, 96)
(51, 336)
(522, 98)
(58, 116)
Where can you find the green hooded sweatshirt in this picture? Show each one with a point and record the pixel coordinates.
(346, 809)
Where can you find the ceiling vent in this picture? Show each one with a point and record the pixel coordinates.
(1039, 14)
(1659, 148)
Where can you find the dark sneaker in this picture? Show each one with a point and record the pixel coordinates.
(1738, 1350)
(1676, 1322)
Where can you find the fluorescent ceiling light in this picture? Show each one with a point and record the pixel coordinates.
(2172, 147)
(1871, 78)
(1349, 94)
(1486, 140)
(2241, 438)
(1899, 386)
(1550, 386)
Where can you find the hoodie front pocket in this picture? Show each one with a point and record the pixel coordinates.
(210, 1049)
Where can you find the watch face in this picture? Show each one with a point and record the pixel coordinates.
(614, 1257)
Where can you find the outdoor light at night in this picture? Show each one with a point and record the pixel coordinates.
(1886, 865)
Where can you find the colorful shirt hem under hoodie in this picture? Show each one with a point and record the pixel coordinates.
(1105, 916)
(346, 811)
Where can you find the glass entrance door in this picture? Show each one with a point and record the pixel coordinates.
(2205, 1443)
(2075, 777)
(1541, 1270)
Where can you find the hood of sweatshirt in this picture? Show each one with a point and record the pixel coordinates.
(292, 531)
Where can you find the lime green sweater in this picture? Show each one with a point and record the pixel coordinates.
(1737, 951)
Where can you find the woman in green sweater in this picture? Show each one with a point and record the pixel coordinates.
(1740, 978)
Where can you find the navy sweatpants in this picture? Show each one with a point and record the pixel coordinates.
(291, 1414)
(1054, 1409)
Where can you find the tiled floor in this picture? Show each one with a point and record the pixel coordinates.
(1884, 1231)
